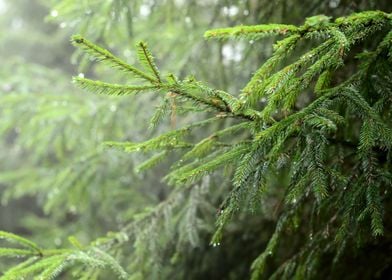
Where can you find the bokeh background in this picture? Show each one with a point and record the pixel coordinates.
(56, 179)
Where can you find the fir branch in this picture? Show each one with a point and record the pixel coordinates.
(16, 253)
(254, 32)
(20, 240)
(169, 140)
(160, 112)
(112, 89)
(225, 158)
(253, 90)
(151, 162)
(104, 55)
(13, 273)
(146, 58)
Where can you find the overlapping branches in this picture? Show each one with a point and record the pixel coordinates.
(284, 134)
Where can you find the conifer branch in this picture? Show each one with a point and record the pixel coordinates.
(330, 151)
(104, 55)
(254, 32)
(112, 89)
(147, 59)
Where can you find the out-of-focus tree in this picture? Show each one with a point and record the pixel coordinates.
(62, 180)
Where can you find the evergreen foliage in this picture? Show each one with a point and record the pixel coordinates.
(306, 132)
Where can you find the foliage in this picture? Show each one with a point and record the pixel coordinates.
(304, 146)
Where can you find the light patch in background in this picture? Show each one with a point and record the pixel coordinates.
(232, 53)
(3, 7)
(334, 4)
(145, 10)
(54, 13)
(230, 11)
(16, 23)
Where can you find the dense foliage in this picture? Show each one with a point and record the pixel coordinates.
(287, 176)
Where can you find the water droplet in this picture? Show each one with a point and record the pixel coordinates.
(213, 244)
(81, 75)
(251, 42)
(270, 253)
(63, 25)
(54, 13)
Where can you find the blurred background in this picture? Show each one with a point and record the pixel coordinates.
(56, 179)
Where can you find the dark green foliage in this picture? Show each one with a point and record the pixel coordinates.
(304, 132)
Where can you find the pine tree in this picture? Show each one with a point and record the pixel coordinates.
(307, 141)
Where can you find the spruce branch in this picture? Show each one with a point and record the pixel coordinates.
(105, 56)
(254, 32)
(21, 241)
(112, 89)
(320, 143)
(146, 58)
